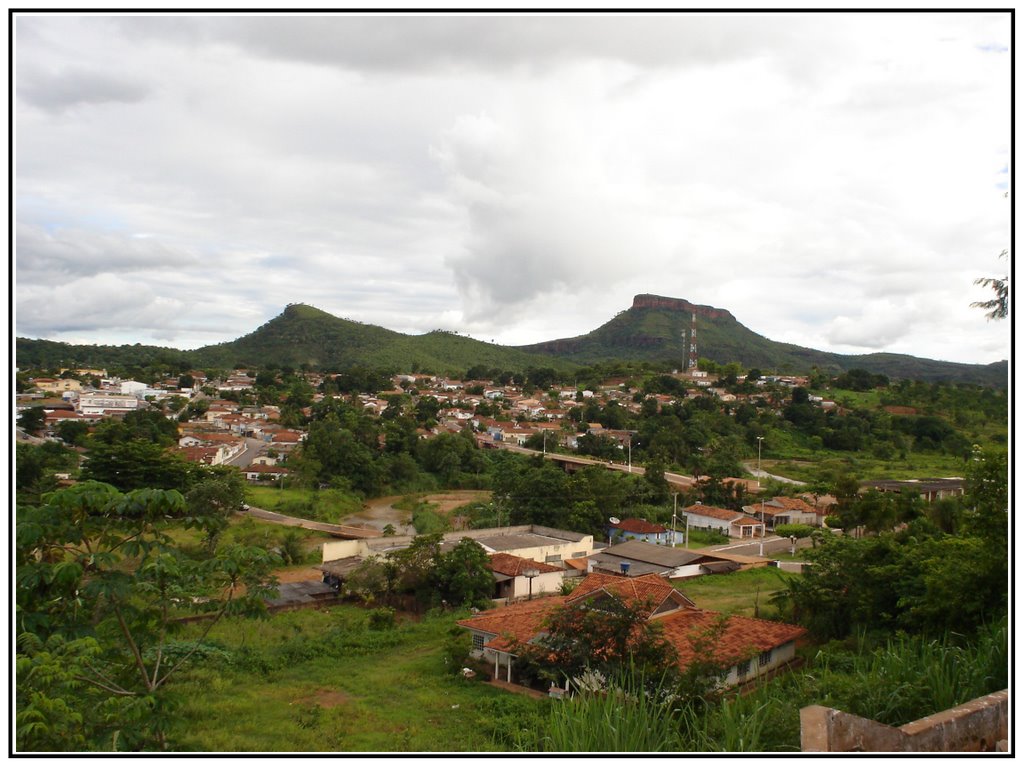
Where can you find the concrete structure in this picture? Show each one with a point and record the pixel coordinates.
(101, 402)
(513, 580)
(641, 530)
(783, 510)
(57, 385)
(532, 542)
(980, 725)
(727, 521)
(930, 489)
(671, 563)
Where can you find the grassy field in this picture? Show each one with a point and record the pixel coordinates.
(742, 592)
(322, 680)
(810, 467)
(309, 680)
(329, 505)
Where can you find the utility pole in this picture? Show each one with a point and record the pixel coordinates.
(759, 439)
(675, 502)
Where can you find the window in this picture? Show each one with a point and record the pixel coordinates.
(743, 668)
(578, 554)
(478, 640)
(765, 658)
(553, 559)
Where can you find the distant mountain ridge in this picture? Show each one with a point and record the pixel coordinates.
(652, 329)
(656, 328)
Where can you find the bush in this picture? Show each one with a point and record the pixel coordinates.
(381, 618)
(456, 649)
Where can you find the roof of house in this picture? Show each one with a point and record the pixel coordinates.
(642, 551)
(650, 590)
(510, 565)
(789, 503)
(718, 513)
(636, 525)
(741, 637)
(576, 563)
(515, 623)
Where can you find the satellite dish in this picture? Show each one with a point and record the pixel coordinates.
(613, 520)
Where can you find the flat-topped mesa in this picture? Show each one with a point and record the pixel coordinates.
(650, 301)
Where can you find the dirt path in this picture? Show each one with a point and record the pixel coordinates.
(377, 513)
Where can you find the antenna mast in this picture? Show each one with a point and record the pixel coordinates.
(693, 342)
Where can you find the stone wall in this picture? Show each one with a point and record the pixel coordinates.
(976, 726)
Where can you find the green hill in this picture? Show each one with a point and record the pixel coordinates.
(301, 335)
(653, 329)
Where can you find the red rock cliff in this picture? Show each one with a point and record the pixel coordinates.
(650, 301)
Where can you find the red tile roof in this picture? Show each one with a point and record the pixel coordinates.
(650, 589)
(516, 623)
(798, 505)
(510, 565)
(709, 511)
(634, 525)
(741, 638)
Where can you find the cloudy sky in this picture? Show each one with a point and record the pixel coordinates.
(834, 180)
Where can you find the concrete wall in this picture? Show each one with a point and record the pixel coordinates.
(782, 654)
(976, 726)
(546, 583)
(563, 548)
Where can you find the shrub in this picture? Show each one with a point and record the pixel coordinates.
(381, 618)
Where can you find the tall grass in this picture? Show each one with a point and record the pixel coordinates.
(614, 721)
(901, 681)
(912, 677)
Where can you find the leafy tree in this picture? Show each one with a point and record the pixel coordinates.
(97, 564)
(998, 307)
(794, 529)
(603, 634)
(133, 464)
(449, 456)
(35, 466)
(32, 420)
(463, 576)
(215, 498)
(72, 432)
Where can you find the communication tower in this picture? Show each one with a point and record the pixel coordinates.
(693, 343)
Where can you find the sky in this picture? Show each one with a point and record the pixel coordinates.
(835, 180)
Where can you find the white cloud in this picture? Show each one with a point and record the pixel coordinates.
(831, 179)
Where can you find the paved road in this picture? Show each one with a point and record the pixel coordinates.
(342, 531)
(752, 469)
(252, 448)
(772, 545)
(635, 469)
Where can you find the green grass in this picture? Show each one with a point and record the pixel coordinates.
(740, 592)
(322, 681)
(329, 506)
(270, 497)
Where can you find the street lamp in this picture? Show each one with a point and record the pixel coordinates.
(759, 439)
(531, 574)
(630, 444)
